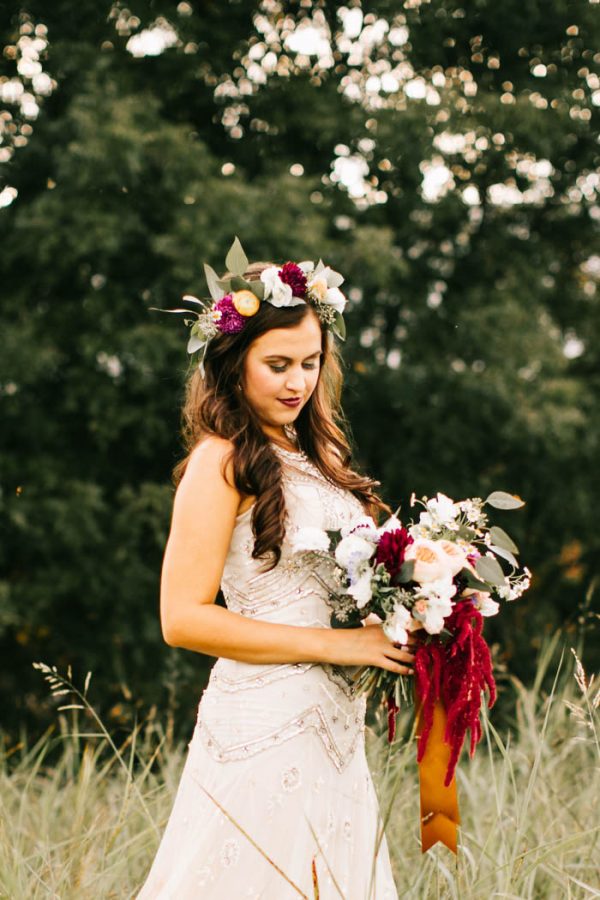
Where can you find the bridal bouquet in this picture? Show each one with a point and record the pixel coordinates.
(436, 578)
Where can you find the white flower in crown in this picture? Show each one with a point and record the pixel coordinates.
(276, 291)
(323, 284)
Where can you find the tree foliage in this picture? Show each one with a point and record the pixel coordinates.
(443, 157)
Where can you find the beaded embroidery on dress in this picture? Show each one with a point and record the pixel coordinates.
(278, 748)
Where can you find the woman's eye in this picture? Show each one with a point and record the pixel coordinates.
(282, 368)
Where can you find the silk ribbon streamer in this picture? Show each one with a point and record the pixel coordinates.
(439, 804)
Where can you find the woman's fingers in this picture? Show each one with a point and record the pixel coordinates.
(396, 667)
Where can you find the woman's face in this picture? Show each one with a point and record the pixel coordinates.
(282, 364)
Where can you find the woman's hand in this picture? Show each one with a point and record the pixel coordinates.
(368, 645)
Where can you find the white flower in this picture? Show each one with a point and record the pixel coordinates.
(442, 589)
(391, 524)
(431, 563)
(361, 589)
(363, 526)
(441, 510)
(436, 612)
(324, 283)
(456, 554)
(471, 510)
(485, 604)
(276, 291)
(395, 627)
(310, 538)
(353, 550)
(434, 603)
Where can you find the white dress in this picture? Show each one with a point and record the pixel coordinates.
(276, 792)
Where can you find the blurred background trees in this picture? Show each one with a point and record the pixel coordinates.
(444, 157)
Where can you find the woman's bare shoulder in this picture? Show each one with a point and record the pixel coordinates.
(210, 454)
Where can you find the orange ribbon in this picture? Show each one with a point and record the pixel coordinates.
(439, 804)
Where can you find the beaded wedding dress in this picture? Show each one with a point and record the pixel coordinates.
(276, 796)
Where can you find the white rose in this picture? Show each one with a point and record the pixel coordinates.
(276, 291)
(431, 563)
(310, 538)
(353, 550)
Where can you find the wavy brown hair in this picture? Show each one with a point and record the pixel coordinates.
(214, 405)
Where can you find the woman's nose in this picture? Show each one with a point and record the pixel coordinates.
(296, 382)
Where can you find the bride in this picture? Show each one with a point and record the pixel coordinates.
(275, 800)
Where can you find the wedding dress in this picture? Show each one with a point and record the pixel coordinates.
(276, 796)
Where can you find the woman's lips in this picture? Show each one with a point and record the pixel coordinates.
(291, 403)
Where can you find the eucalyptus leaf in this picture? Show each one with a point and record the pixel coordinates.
(490, 570)
(501, 539)
(190, 312)
(214, 285)
(195, 343)
(189, 298)
(505, 554)
(473, 582)
(257, 288)
(502, 500)
(406, 572)
(236, 260)
(239, 284)
(340, 326)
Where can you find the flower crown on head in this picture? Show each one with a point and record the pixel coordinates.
(235, 299)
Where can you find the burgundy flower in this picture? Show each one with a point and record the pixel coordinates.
(293, 275)
(391, 550)
(230, 321)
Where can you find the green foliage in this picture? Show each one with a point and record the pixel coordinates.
(459, 311)
(85, 812)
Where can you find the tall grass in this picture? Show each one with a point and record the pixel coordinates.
(80, 817)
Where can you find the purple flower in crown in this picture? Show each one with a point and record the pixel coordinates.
(293, 275)
(226, 317)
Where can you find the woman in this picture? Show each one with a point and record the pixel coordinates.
(275, 797)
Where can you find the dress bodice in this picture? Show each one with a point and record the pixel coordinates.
(247, 706)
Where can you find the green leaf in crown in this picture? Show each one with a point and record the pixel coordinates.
(236, 260)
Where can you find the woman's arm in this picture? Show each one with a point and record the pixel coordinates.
(204, 513)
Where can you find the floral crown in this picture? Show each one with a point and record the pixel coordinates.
(235, 300)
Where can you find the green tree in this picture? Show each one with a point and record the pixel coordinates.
(444, 158)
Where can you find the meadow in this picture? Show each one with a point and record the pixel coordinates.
(80, 817)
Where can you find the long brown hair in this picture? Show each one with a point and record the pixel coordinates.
(215, 405)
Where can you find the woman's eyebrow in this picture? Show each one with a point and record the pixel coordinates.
(288, 358)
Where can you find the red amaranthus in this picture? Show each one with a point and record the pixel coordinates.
(455, 671)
